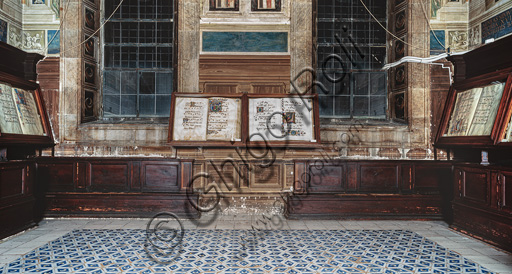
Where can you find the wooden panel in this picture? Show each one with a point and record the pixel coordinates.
(407, 182)
(487, 225)
(119, 204)
(505, 192)
(378, 178)
(16, 197)
(275, 88)
(327, 178)
(220, 88)
(266, 178)
(430, 179)
(11, 181)
(18, 62)
(160, 177)
(109, 176)
(56, 177)
(475, 185)
(439, 87)
(244, 73)
(289, 176)
(334, 206)
(223, 174)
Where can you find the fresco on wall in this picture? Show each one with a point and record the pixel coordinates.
(33, 40)
(245, 41)
(474, 36)
(458, 40)
(497, 26)
(38, 2)
(53, 38)
(3, 31)
(55, 6)
(490, 3)
(435, 6)
(437, 47)
(15, 38)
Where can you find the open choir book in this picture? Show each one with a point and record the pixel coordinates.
(475, 111)
(18, 112)
(207, 119)
(282, 119)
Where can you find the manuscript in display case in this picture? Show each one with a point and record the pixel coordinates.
(280, 119)
(476, 111)
(19, 113)
(238, 119)
(203, 119)
(23, 119)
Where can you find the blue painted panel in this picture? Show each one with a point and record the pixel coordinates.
(3, 31)
(497, 26)
(435, 46)
(53, 46)
(245, 41)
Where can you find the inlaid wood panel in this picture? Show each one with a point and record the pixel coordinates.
(427, 181)
(327, 178)
(244, 73)
(504, 195)
(266, 177)
(109, 176)
(224, 174)
(220, 88)
(12, 181)
(56, 177)
(378, 178)
(17, 200)
(160, 177)
(475, 185)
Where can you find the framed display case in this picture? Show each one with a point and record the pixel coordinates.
(23, 118)
(24, 128)
(224, 120)
(206, 119)
(283, 120)
(475, 112)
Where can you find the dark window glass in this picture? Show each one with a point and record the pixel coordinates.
(138, 58)
(351, 51)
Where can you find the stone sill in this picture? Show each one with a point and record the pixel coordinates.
(335, 124)
(152, 123)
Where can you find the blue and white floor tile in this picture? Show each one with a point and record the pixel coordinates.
(244, 251)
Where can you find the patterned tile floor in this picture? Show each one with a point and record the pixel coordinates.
(224, 245)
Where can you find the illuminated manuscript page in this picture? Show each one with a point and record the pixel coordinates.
(486, 110)
(296, 112)
(190, 117)
(26, 107)
(223, 119)
(260, 109)
(465, 106)
(9, 121)
(290, 119)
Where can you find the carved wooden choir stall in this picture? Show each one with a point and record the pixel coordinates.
(476, 126)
